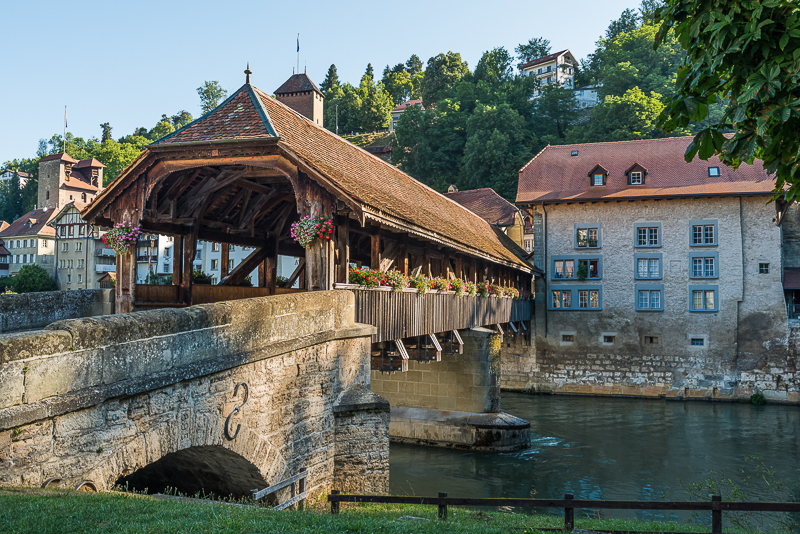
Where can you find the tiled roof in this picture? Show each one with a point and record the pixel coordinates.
(554, 175)
(241, 116)
(3, 225)
(77, 180)
(18, 173)
(385, 149)
(61, 155)
(4, 251)
(91, 162)
(32, 223)
(543, 59)
(380, 187)
(297, 83)
(407, 103)
(791, 279)
(487, 204)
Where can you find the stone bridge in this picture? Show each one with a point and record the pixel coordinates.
(151, 399)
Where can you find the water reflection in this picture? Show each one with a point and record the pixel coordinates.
(601, 448)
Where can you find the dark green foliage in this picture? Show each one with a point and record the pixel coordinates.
(106, 135)
(331, 80)
(32, 278)
(494, 67)
(181, 119)
(758, 399)
(414, 65)
(627, 22)
(441, 74)
(211, 94)
(747, 54)
(535, 48)
(554, 113)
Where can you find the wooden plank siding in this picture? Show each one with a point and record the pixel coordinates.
(157, 296)
(403, 315)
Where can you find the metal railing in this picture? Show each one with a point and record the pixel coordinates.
(716, 506)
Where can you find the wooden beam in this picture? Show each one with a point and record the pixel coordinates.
(296, 274)
(224, 257)
(459, 267)
(177, 260)
(426, 263)
(232, 204)
(239, 273)
(257, 188)
(205, 234)
(189, 252)
(343, 250)
(247, 194)
(388, 256)
(375, 254)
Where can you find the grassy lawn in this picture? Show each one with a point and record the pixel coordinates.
(24, 510)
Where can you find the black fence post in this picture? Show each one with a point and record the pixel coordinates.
(334, 504)
(569, 514)
(716, 516)
(442, 507)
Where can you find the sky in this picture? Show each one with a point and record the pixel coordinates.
(127, 63)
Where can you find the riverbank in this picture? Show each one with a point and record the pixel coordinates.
(30, 510)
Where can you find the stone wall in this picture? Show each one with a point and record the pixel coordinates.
(37, 310)
(102, 398)
(468, 382)
(747, 342)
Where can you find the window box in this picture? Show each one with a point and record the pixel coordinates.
(703, 265)
(647, 235)
(703, 233)
(648, 266)
(703, 298)
(587, 236)
(649, 297)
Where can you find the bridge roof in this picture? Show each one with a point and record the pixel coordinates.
(376, 189)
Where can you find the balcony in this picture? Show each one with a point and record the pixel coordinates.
(105, 268)
(147, 259)
(105, 251)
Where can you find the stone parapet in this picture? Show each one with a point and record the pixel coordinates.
(37, 310)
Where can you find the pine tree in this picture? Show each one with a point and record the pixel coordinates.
(331, 80)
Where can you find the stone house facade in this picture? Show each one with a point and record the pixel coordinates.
(63, 179)
(663, 278)
(29, 240)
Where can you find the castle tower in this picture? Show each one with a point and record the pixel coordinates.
(303, 96)
(63, 179)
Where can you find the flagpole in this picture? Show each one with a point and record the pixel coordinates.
(298, 53)
(64, 139)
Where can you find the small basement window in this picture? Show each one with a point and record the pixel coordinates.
(698, 341)
(608, 339)
(574, 153)
(763, 268)
(652, 340)
(567, 338)
(713, 171)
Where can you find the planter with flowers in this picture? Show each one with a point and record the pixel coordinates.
(397, 282)
(312, 229)
(122, 237)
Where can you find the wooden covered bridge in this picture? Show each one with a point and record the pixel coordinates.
(245, 172)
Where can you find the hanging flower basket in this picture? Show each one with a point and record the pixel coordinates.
(122, 237)
(311, 229)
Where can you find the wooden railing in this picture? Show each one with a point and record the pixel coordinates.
(716, 506)
(155, 296)
(409, 314)
(298, 498)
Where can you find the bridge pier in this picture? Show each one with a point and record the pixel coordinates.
(454, 402)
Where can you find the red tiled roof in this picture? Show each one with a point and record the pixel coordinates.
(32, 223)
(61, 155)
(77, 180)
(554, 175)
(407, 103)
(791, 279)
(487, 204)
(297, 83)
(543, 59)
(4, 251)
(385, 149)
(239, 117)
(3, 225)
(380, 187)
(91, 162)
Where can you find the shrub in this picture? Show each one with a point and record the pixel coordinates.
(198, 274)
(32, 278)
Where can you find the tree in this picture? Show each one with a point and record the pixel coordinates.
(414, 65)
(369, 75)
(748, 55)
(399, 86)
(376, 103)
(494, 67)
(181, 119)
(115, 156)
(442, 73)
(554, 112)
(535, 48)
(161, 129)
(647, 10)
(211, 93)
(106, 131)
(627, 22)
(346, 98)
(331, 80)
(33, 278)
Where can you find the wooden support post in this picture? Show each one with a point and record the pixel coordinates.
(403, 266)
(343, 250)
(473, 271)
(426, 263)
(569, 514)
(448, 270)
(716, 516)
(334, 504)
(262, 275)
(319, 266)
(189, 252)
(268, 271)
(375, 250)
(224, 257)
(459, 267)
(442, 507)
(125, 290)
(177, 260)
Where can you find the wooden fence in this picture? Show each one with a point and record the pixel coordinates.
(716, 506)
(157, 296)
(409, 314)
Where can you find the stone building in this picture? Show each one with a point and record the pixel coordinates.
(494, 209)
(81, 258)
(663, 278)
(558, 67)
(30, 240)
(303, 96)
(63, 179)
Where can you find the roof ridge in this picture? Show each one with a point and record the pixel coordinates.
(625, 141)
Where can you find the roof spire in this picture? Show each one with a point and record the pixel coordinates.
(248, 72)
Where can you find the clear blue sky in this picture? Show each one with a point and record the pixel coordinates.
(126, 63)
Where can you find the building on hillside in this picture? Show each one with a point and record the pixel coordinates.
(6, 175)
(30, 240)
(660, 274)
(63, 179)
(492, 208)
(303, 96)
(587, 96)
(81, 258)
(4, 261)
(558, 67)
(399, 110)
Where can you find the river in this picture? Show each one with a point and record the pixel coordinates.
(606, 448)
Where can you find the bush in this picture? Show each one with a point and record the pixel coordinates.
(32, 278)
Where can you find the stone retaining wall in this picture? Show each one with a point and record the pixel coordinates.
(37, 310)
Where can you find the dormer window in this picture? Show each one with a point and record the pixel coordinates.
(636, 178)
(574, 153)
(597, 176)
(713, 171)
(597, 179)
(636, 174)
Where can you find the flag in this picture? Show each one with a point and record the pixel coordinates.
(298, 42)
(65, 117)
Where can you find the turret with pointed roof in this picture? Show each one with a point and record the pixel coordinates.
(63, 179)
(303, 96)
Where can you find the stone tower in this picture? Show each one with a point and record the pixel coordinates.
(303, 96)
(62, 180)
